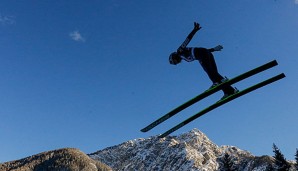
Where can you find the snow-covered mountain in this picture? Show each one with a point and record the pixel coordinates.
(190, 152)
(66, 159)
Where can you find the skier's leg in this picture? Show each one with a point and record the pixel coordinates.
(209, 65)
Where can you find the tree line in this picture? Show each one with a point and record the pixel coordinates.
(279, 164)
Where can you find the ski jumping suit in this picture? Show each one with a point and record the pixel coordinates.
(206, 59)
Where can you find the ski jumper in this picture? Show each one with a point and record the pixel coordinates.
(205, 57)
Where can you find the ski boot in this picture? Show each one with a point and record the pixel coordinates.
(229, 94)
(225, 79)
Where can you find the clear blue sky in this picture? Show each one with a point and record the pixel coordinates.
(91, 74)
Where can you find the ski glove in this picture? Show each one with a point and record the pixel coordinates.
(218, 48)
(197, 26)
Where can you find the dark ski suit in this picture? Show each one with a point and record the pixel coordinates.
(204, 56)
(206, 59)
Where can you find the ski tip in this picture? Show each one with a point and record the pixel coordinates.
(272, 63)
(283, 75)
(275, 62)
(144, 130)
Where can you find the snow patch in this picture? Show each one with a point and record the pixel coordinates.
(189, 151)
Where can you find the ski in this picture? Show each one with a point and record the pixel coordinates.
(210, 92)
(224, 101)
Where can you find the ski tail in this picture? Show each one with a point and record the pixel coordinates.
(209, 92)
(221, 102)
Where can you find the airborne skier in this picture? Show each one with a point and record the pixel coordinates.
(217, 104)
(206, 59)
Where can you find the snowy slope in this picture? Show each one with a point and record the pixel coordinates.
(190, 151)
(66, 159)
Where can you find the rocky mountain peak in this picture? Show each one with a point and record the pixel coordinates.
(189, 151)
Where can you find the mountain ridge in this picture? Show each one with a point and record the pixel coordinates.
(190, 151)
(65, 159)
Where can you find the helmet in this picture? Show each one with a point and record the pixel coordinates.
(174, 58)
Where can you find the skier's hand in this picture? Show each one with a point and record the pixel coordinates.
(197, 26)
(218, 48)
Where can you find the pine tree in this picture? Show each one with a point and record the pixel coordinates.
(296, 157)
(227, 163)
(269, 167)
(280, 161)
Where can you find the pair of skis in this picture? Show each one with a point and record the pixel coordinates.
(219, 103)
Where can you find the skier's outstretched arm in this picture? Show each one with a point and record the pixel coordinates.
(216, 48)
(196, 28)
